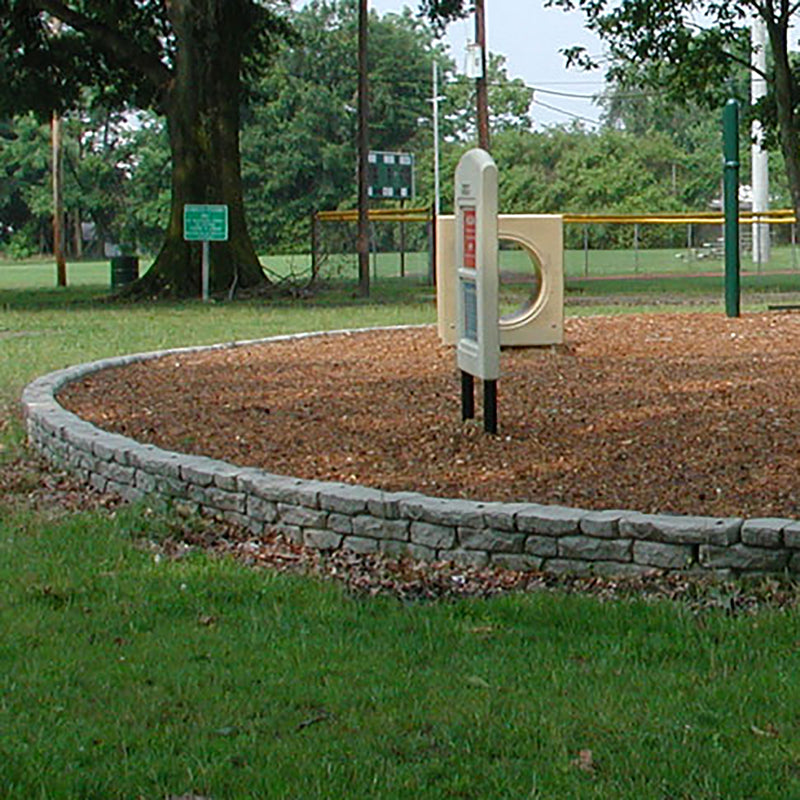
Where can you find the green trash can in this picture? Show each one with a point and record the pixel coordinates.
(124, 270)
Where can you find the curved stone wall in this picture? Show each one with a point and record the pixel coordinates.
(329, 516)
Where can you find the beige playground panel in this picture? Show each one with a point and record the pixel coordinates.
(539, 322)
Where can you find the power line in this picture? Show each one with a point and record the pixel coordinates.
(567, 113)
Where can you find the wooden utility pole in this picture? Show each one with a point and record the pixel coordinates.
(362, 243)
(58, 188)
(481, 82)
(58, 203)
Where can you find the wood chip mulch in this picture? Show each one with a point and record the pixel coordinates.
(682, 413)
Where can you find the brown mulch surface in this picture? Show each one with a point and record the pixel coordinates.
(683, 413)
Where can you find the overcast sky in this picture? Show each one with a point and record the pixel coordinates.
(530, 37)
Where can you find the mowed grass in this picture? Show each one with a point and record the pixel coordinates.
(125, 674)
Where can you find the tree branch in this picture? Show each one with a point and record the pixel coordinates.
(109, 41)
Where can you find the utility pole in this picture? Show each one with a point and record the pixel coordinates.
(58, 189)
(481, 80)
(362, 242)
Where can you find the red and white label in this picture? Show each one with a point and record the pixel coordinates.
(470, 244)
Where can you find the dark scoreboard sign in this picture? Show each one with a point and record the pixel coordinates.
(390, 175)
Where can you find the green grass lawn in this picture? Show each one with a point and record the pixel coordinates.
(124, 674)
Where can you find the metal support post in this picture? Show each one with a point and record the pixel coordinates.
(730, 128)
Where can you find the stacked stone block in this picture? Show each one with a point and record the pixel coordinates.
(332, 516)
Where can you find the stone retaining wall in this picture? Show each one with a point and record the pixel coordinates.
(329, 516)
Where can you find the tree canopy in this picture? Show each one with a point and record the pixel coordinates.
(698, 52)
(186, 59)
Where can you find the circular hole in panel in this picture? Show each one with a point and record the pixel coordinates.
(521, 281)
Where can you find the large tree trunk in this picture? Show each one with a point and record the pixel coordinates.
(784, 95)
(202, 109)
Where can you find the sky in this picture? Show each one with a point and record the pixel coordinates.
(530, 37)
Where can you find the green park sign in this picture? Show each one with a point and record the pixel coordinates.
(205, 223)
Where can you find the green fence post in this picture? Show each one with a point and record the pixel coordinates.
(730, 129)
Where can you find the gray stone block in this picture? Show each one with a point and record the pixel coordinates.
(490, 539)
(541, 546)
(663, 556)
(98, 482)
(294, 533)
(681, 529)
(602, 524)
(126, 491)
(116, 472)
(764, 532)
(794, 563)
(360, 544)
(791, 535)
(501, 516)
(104, 449)
(302, 516)
(340, 523)
(343, 499)
(81, 435)
(586, 548)
(226, 476)
(386, 505)
(564, 566)
(172, 487)
(549, 520)
(743, 557)
(399, 549)
(373, 528)
(443, 511)
(261, 510)
(197, 470)
(516, 562)
(218, 498)
(266, 485)
(155, 461)
(321, 540)
(433, 536)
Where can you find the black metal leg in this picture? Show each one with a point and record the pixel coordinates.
(467, 395)
(490, 406)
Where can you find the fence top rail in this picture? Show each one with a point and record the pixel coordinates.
(421, 214)
(779, 216)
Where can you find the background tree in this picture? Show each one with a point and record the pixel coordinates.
(697, 51)
(184, 58)
(299, 137)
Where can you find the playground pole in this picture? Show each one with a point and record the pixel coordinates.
(730, 130)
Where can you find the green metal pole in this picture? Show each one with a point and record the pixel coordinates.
(730, 135)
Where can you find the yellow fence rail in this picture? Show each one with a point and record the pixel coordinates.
(424, 214)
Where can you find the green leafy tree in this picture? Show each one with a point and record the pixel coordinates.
(24, 170)
(299, 137)
(699, 51)
(184, 58)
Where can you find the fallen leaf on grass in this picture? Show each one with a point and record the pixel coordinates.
(584, 762)
(476, 682)
(769, 731)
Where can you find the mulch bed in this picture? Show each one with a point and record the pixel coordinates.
(680, 413)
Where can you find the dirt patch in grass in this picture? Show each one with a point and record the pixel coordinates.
(683, 413)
